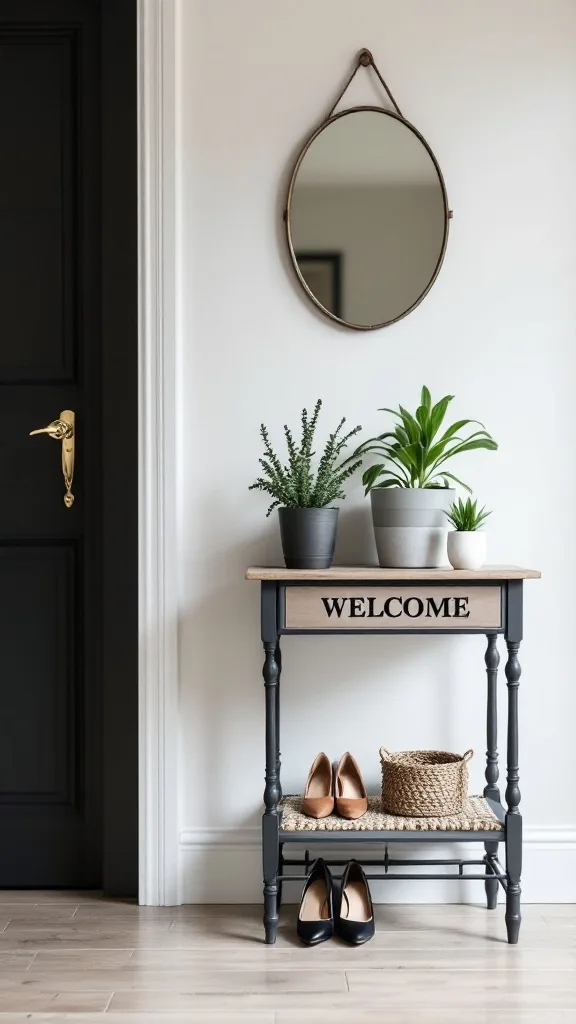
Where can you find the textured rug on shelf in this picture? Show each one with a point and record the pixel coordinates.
(476, 816)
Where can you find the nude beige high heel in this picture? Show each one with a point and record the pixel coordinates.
(349, 789)
(318, 799)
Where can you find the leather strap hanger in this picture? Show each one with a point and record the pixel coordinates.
(366, 60)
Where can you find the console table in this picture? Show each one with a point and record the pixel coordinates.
(348, 600)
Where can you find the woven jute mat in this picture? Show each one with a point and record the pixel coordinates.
(476, 817)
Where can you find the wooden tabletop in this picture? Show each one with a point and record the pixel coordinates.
(374, 572)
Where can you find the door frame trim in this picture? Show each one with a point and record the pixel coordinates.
(157, 553)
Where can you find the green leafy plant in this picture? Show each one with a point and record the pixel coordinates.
(465, 516)
(295, 485)
(415, 452)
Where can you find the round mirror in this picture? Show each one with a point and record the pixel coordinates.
(367, 217)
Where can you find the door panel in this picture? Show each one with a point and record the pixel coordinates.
(38, 203)
(54, 270)
(38, 703)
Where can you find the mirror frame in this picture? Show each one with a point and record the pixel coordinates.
(288, 209)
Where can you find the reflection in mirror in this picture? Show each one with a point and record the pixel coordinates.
(322, 272)
(367, 217)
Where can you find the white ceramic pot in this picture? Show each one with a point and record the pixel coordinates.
(467, 549)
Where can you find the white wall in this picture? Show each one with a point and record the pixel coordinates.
(492, 87)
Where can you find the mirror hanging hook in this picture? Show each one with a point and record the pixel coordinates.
(365, 60)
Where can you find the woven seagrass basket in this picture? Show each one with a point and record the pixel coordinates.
(424, 783)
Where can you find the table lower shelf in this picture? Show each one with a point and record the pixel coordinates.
(481, 820)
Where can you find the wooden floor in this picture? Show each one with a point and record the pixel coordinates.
(66, 957)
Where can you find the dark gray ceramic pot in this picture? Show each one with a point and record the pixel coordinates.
(308, 536)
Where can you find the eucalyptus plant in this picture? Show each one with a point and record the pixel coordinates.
(415, 452)
(296, 484)
(465, 516)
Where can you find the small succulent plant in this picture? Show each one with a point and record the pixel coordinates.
(465, 516)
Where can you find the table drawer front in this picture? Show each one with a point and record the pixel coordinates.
(410, 607)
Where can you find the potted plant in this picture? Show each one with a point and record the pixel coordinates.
(467, 542)
(410, 489)
(304, 498)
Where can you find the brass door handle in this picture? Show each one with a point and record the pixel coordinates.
(62, 429)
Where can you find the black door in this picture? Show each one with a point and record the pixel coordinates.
(67, 345)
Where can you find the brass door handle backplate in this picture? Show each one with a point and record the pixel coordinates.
(62, 429)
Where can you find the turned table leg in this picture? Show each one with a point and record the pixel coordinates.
(492, 659)
(491, 791)
(279, 664)
(270, 848)
(272, 789)
(278, 782)
(513, 816)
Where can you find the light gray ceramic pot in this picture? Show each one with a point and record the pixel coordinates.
(410, 526)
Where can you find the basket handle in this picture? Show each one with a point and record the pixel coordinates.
(468, 755)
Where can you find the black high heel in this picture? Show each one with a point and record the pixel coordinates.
(316, 914)
(355, 921)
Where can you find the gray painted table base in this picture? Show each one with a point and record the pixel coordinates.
(275, 623)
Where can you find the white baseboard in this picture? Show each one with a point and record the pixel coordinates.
(224, 866)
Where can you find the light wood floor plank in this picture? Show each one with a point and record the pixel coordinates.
(35, 897)
(406, 941)
(63, 960)
(142, 1017)
(336, 955)
(561, 923)
(387, 916)
(248, 936)
(17, 936)
(203, 932)
(56, 1002)
(552, 910)
(303, 1002)
(430, 1016)
(23, 914)
(381, 1016)
(483, 990)
(18, 961)
(203, 982)
(95, 912)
